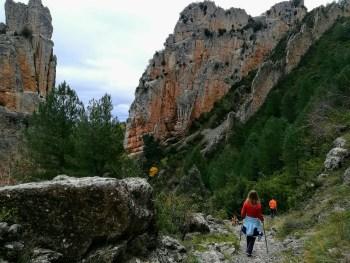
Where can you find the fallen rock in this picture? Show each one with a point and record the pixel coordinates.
(73, 216)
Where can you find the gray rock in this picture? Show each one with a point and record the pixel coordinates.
(109, 254)
(197, 223)
(77, 212)
(61, 177)
(299, 42)
(45, 256)
(346, 176)
(339, 142)
(172, 244)
(212, 138)
(211, 256)
(35, 17)
(169, 250)
(335, 158)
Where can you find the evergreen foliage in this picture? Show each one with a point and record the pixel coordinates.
(64, 138)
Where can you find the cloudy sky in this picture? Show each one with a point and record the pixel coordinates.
(103, 46)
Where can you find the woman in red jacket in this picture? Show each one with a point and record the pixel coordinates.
(252, 214)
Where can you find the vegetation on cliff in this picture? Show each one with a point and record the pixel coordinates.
(281, 150)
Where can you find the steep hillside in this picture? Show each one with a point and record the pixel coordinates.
(287, 150)
(210, 49)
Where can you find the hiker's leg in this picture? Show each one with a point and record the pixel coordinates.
(250, 244)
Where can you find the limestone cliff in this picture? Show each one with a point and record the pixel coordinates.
(295, 46)
(27, 63)
(210, 50)
(27, 72)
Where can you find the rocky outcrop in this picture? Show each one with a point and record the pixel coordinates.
(210, 50)
(197, 223)
(295, 46)
(27, 63)
(11, 126)
(85, 218)
(336, 156)
(27, 72)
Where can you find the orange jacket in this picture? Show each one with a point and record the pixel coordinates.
(273, 204)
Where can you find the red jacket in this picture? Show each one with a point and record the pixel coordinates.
(251, 210)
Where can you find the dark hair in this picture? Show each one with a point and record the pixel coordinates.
(253, 197)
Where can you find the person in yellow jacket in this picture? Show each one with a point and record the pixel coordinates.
(273, 207)
(153, 171)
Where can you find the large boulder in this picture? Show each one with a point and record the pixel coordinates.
(335, 158)
(76, 217)
(197, 223)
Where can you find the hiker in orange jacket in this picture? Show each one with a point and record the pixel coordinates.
(273, 207)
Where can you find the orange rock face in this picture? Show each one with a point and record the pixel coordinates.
(210, 50)
(27, 63)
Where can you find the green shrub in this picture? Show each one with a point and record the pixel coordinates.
(330, 241)
(172, 212)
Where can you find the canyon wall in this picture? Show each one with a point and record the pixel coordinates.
(210, 50)
(27, 73)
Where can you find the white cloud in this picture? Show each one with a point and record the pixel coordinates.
(104, 46)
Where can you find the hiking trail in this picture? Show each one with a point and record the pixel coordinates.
(259, 253)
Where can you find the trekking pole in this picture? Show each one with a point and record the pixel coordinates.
(267, 249)
(240, 234)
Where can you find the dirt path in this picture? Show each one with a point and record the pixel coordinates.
(259, 252)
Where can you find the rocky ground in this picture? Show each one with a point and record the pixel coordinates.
(220, 245)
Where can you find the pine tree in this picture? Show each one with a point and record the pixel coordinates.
(292, 152)
(270, 145)
(98, 140)
(49, 136)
